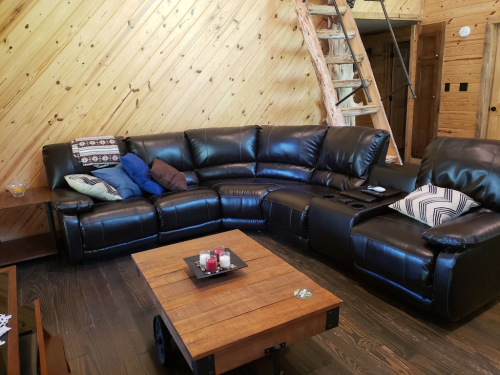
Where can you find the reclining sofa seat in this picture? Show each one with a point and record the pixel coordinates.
(91, 230)
(342, 161)
(180, 214)
(391, 250)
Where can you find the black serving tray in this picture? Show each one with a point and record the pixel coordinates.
(235, 259)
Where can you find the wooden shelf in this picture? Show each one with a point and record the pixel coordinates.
(31, 196)
(26, 248)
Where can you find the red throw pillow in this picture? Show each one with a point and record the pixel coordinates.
(167, 176)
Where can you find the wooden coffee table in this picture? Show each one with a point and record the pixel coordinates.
(228, 320)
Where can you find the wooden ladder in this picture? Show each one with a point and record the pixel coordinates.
(335, 114)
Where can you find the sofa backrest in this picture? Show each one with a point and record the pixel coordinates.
(224, 152)
(59, 162)
(289, 152)
(471, 166)
(172, 148)
(347, 155)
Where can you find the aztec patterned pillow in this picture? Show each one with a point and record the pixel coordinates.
(93, 187)
(433, 205)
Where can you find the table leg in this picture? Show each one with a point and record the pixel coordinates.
(52, 224)
(276, 352)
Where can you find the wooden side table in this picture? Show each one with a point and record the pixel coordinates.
(29, 247)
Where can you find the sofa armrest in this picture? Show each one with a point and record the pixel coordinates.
(399, 177)
(465, 280)
(69, 230)
(70, 201)
(468, 231)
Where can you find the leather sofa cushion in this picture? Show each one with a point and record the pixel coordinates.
(191, 178)
(340, 181)
(179, 210)
(298, 145)
(471, 166)
(284, 171)
(248, 180)
(243, 201)
(288, 208)
(224, 145)
(171, 148)
(230, 170)
(391, 246)
(59, 161)
(114, 223)
(352, 150)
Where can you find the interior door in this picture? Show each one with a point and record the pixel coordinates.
(494, 115)
(399, 100)
(428, 86)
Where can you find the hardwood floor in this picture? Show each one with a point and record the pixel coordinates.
(105, 317)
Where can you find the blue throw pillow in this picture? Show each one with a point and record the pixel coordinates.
(120, 180)
(140, 173)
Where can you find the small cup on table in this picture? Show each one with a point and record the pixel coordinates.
(219, 250)
(204, 255)
(225, 260)
(211, 264)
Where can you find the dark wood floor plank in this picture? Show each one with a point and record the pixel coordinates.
(104, 314)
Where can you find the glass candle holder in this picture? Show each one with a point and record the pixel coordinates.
(225, 260)
(204, 255)
(219, 250)
(211, 263)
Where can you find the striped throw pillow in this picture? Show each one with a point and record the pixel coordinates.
(433, 205)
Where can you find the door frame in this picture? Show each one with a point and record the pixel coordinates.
(491, 40)
(414, 44)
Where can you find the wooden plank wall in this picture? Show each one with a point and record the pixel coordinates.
(397, 9)
(74, 68)
(462, 60)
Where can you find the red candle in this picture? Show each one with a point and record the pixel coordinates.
(218, 251)
(211, 264)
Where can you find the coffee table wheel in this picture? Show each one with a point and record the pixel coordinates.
(163, 341)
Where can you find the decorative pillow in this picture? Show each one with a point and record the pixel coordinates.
(167, 176)
(433, 205)
(120, 180)
(93, 187)
(139, 172)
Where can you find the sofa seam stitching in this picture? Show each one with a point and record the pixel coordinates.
(489, 174)
(449, 284)
(269, 143)
(145, 152)
(355, 149)
(435, 157)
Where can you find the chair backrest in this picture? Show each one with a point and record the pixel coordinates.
(289, 152)
(347, 155)
(224, 152)
(171, 148)
(471, 166)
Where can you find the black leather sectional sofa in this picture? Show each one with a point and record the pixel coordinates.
(288, 179)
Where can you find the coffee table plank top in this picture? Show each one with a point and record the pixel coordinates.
(211, 315)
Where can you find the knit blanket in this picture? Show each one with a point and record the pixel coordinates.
(99, 151)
